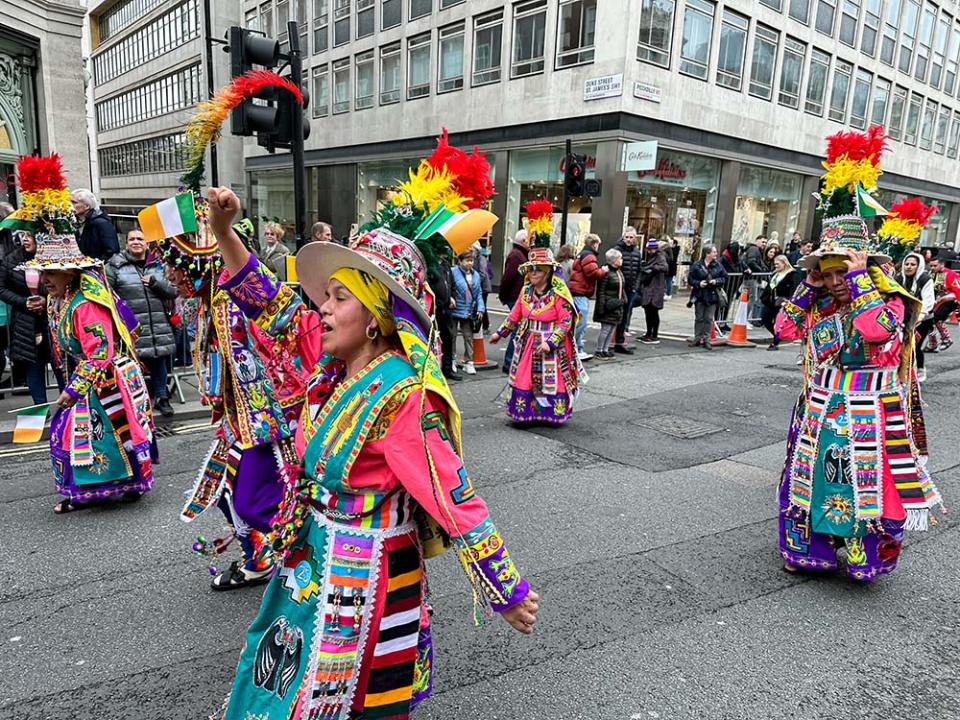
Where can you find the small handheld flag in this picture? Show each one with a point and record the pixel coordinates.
(461, 230)
(30, 423)
(867, 205)
(173, 216)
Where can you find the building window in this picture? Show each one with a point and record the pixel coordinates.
(487, 47)
(283, 17)
(861, 99)
(817, 82)
(578, 21)
(765, 44)
(891, 23)
(913, 119)
(303, 26)
(341, 86)
(733, 46)
(908, 34)
(841, 86)
(871, 26)
(943, 124)
(364, 92)
(529, 29)
(656, 31)
(365, 20)
(826, 12)
(164, 154)
(391, 14)
(177, 91)
(800, 11)
(450, 66)
(122, 15)
(321, 91)
(940, 50)
(444, 4)
(695, 43)
(775, 4)
(266, 19)
(950, 76)
(897, 108)
(419, 8)
(390, 74)
(954, 136)
(418, 66)
(927, 24)
(849, 18)
(341, 22)
(321, 22)
(791, 75)
(926, 128)
(881, 95)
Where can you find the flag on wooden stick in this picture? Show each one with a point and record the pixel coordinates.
(30, 423)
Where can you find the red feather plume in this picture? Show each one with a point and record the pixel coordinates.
(913, 209)
(254, 81)
(471, 173)
(537, 209)
(857, 145)
(40, 173)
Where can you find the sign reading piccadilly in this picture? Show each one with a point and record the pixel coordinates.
(647, 91)
(639, 156)
(603, 87)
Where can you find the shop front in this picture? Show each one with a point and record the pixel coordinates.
(768, 204)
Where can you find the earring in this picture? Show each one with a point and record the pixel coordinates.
(376, 332)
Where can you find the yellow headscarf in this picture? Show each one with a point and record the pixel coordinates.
(371, 293)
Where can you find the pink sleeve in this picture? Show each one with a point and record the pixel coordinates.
(450, 499)
(882, 322)
(513, 319)
(564, 323)
(93, 328)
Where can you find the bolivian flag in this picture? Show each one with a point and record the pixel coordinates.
(867, 205)
(461, 230)
(173, 216)
(30, 424)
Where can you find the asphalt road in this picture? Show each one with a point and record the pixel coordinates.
(646, 524)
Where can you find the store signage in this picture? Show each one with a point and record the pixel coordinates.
(665, 170)
(639, 156)
(590, 163)
(647, 91)
(603, 87)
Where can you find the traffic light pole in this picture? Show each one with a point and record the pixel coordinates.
(208, 42)
(296, 140)
(563, 211)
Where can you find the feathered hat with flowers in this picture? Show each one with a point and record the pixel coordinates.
(539, 232)
(46, 213)
(847, 188)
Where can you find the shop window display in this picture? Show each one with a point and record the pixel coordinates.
(768, 203)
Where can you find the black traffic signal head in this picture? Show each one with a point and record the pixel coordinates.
(248, 49)
(575, 168)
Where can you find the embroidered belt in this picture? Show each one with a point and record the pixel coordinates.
(831, 378)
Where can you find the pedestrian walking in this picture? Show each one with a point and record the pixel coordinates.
(917, 281)
(584, 275)
(468, 307)
(511, 283)
(441, 282)
(855, 477)
(632, 258)
(946, 289)
(706, 280)
(141, 283)
(274, 254)
(778, 290)
(611, 298)
(651, 289)
(98, 236)
(672, 251)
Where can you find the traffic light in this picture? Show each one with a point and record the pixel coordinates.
(574, 170)
(246, 50)
(288, 113)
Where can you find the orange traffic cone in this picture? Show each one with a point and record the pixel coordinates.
(738, 332)
(480, 361)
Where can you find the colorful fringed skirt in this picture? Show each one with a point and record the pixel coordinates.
(342, 630)
(543, 387)
(853, 477)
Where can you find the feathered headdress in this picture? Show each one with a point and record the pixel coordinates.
(901, 229)
(45, 199)
(539, 222)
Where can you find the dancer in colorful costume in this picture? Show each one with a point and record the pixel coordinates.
(101, 439)
(254, 392)
(855, 474)
(343, 630)
(546, 372)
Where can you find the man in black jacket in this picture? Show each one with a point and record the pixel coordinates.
(632, 258)
(98, 238)
(441, 282)
(753, 263)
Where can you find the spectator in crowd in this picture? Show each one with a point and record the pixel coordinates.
(98, 236)
(441, 282)
(753, 264)
(511, 283)
(481, 254)
(946, 288)
(29, 335)
(651, 289)
(467, 305)
(731, 259)
(584, 275)
(916, 281)
(706, 279)
(611, 298)
(632, 257)
(143, 286)
(565, 257)
(274, 251)
(8, 243)
(321, 232)
(770, 253)
(671, 250)
(804, 248)
(780, 288)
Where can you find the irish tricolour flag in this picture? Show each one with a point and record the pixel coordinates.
(30, 423)
(867, 205)
(173, 216)
(460, 229)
